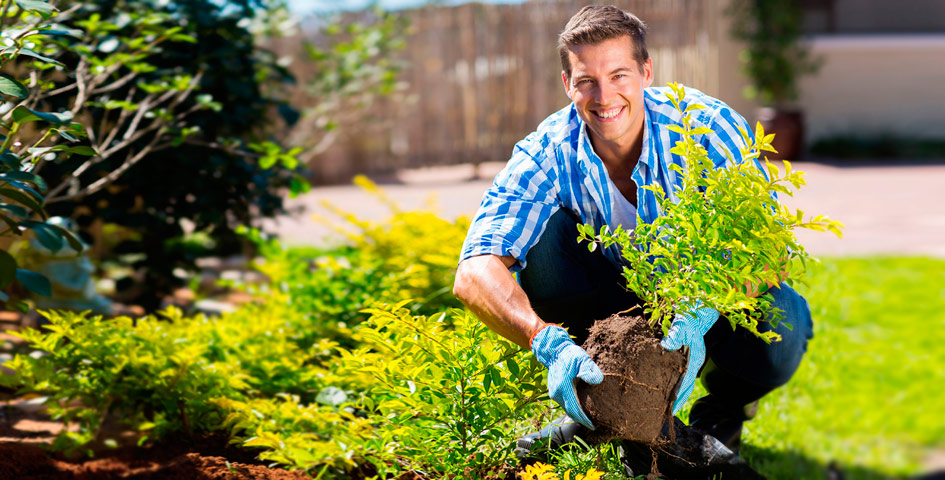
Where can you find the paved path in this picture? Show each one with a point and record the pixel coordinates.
(894, 210)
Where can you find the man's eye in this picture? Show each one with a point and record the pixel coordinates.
(620, 76)
(583, 81)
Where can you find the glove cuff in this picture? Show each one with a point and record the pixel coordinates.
(548, 342)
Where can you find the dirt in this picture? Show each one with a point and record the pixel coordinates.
(25, 433)
(640, 378)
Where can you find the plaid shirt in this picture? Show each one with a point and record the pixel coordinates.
(556, 167)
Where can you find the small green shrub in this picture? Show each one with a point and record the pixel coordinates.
(720, 231)
(160, 375)
(410, 255)
(452, 399)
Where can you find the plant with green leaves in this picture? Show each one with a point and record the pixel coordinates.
(161, 374)
(411, 254)
(452, 399)
(29, 36)
(721, 232)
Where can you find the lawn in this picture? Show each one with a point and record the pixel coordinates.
(868, 397)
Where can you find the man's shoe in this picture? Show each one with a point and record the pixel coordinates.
(694, 455)
(559, 432)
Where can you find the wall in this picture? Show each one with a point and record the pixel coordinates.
(877, 84)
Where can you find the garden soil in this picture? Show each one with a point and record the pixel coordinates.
(23, 434)
(640, 378)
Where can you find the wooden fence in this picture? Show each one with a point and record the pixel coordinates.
(481, 77)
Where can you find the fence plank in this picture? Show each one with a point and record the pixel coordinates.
(481, 77)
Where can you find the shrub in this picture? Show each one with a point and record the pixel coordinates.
(721, 230)
(410, 255)
(160, 374)
(452, 399)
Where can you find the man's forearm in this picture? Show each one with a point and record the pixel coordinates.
(485, 285)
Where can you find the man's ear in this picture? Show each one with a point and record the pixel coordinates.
(648, 72)
(567, 83)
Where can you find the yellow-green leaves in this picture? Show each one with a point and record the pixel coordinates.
(722, 234)
(448, 388)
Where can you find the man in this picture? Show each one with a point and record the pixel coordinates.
(586, 164)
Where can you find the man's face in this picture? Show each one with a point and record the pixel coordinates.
(606, 86)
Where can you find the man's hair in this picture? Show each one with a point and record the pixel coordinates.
(594, 24)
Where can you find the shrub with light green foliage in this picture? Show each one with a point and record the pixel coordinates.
(718, 233)
(411, 254)
(452, 399)
(158, 374)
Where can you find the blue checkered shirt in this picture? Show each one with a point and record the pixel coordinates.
(556, 167)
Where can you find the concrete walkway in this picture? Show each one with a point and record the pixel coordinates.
(887, 209)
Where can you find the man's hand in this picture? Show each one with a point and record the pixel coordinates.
(565, 362)
(689, 329)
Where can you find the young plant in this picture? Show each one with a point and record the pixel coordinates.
(721, 234)
(452, 399)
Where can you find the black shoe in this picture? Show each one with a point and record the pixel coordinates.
(694, 455)
(722, 423)
(559, 432)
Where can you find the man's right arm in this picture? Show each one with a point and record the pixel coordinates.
(485, 285)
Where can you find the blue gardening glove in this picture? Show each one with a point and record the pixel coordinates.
(565, 362)
(689, 329)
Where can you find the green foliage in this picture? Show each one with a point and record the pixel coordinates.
(354, 65)
(451, 399)
(775, 57)
(581, 457)
(412, 254)
(27, 31)
(160, 374)
(882, 146)
(719, 232)
(864, 397)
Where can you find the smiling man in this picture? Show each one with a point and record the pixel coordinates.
(587, 163)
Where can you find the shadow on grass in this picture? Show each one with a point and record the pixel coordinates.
(792, 465)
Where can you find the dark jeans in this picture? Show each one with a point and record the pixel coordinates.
(568, 285)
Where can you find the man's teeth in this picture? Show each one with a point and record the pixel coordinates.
(609, 114)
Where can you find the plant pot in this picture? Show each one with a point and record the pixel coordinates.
(640, 379)
(788, 127)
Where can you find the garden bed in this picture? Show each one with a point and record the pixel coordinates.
(24, 433)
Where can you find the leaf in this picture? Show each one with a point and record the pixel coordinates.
(23, 199)
(10, 86)
(37, 6)
(7, 269)
(34, 282)
(47, 235)
(31, 53)
(24, 177)
(70, 237)
(700, 131)
(15, 209)
(22, 114)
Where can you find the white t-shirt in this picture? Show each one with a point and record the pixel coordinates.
(623, 212)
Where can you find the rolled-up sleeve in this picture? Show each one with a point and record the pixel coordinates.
(514, 210)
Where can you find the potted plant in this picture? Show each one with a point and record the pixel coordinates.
(774, 60)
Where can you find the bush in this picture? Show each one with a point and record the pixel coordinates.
(413, 254)
(721, 233)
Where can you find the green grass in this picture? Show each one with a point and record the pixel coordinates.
(869, 397)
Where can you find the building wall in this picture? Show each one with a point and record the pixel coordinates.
(876, 84)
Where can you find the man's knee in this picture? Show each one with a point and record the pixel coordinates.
(768, 365)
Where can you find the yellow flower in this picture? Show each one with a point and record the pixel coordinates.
(539, 471)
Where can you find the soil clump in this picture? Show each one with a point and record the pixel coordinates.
(640, 379)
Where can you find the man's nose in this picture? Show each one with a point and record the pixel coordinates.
(605, 93)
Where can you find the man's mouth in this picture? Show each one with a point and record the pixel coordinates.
(607, 114)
